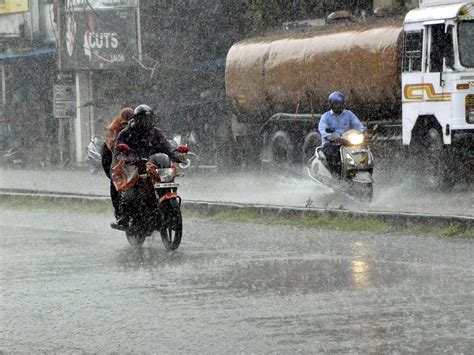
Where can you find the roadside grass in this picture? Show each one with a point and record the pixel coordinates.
(345, 223)
(323, 221)
(54, 204)
(248, 215)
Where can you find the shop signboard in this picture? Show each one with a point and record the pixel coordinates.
(99, 38)
(13, 6)
(64, 95)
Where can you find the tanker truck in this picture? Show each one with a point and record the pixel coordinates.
(412, 83)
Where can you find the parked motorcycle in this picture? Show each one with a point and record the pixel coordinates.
(94, 154)
(188, 140)
(149, 193)
(355, 177)
(13, 157)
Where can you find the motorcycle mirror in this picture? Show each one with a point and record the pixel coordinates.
(182, 149)
(122, 148)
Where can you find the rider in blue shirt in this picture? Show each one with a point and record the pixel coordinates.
(336, 121)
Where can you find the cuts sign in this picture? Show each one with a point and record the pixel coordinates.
(100, 39)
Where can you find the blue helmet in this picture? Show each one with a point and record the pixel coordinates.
(337, 97)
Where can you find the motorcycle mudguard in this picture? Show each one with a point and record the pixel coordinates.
(169, 196)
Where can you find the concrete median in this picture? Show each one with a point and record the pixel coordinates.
(209, 208)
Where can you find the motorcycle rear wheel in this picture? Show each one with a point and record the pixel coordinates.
(172, 227)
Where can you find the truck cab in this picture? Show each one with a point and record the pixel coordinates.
(438, 90)
(438, 72)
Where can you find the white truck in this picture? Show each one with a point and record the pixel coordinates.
(438, 86)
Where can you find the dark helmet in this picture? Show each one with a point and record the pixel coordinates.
(143, 111)
(144, 116)
(337, 97)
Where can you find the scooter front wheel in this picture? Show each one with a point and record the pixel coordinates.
(172, 226)
(364, 192)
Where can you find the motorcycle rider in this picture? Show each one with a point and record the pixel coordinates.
(118, 123)
(143, 139)
(337, 121)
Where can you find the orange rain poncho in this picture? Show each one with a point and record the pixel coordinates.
(119, 122)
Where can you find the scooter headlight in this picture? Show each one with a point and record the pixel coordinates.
(350, 160)
(356, 139)
(166, 174)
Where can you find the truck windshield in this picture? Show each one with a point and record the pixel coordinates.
(466, 39)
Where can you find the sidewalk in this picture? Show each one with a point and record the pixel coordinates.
(254, 189)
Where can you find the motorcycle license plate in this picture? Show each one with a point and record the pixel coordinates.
(165, 185)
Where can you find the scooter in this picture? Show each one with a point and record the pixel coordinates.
(357, 163)
(94, 154)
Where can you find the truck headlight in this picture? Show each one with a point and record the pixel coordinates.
(469, 101)
(470, 116)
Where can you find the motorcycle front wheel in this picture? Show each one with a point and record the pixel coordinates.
(135, 238)
(171, 228)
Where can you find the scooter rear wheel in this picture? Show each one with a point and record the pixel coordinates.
(172, 226)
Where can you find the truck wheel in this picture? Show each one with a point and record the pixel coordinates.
(433, 161)
(311, 142)
(281, 148)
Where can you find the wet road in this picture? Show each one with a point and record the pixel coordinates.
(392, 193)
(70, 284)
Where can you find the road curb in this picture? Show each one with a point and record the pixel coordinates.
(400, 219)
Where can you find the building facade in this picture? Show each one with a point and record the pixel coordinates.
(27, 64)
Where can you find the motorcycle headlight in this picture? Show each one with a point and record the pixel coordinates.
(350, 160)
(166, 174)
(356, 139)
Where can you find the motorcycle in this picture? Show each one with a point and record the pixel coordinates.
(355, 176)
(149, 193)
(15, 153)
(13, 157)
(188, 140)
(94, 154)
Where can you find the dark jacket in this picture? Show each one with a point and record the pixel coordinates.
(144, 143)
(106, 159)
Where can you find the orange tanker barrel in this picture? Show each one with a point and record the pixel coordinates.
(244, 78)
(298, 72)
